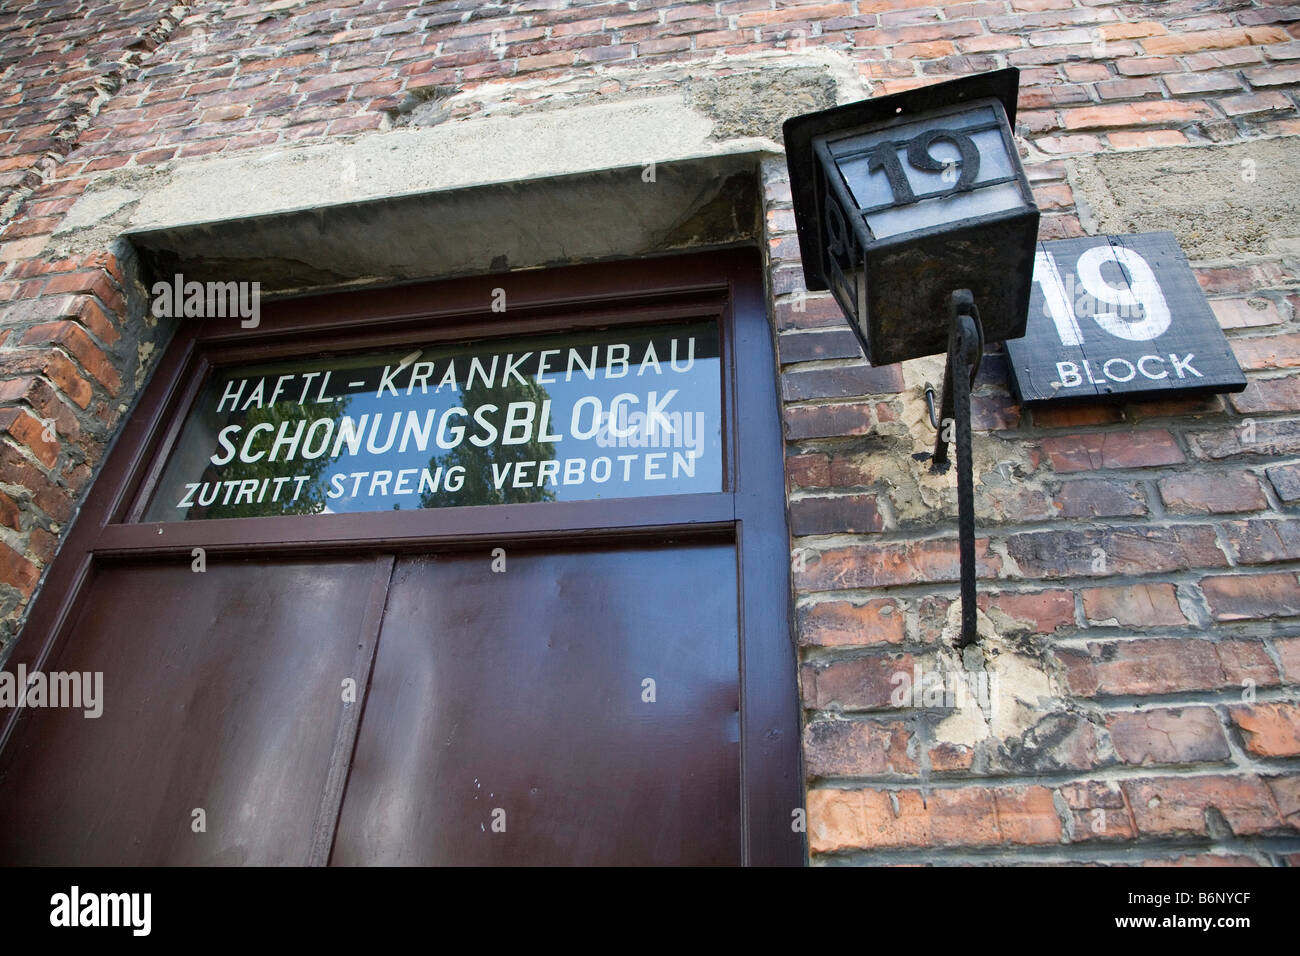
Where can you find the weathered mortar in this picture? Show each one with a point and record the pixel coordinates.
(1221, 201)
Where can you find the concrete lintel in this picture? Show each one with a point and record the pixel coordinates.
(613, 213)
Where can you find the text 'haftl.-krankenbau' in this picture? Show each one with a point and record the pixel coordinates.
(643, 415)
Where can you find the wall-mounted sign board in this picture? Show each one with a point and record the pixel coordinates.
(1119, 317)
(618, 413)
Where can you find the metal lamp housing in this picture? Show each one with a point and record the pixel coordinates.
(901, 199)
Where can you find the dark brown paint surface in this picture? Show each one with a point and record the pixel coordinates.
(491, 690)
(221, 692)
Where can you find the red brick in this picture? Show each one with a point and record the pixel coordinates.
(1059, 227)
(846, 382)
(564, 58)
(1163, 666)
(1241, 279)
(30, 433)
(1146, 139)
(1246, 663)
(65, 375)
(1128, 449)
(1128, 89)
(808, 471)
(93, 281)
(42, 545)
(971, 816)
(1086, 72)
(846, 623)
(1067, 416)
(882, 565)
(1263, 542)
(94, 318)
(1269, 729)
(1185, 84)
(1286, 481)
(1151, 113)
(843, 514)
(49, 497)
(1043, 611)
(1100, 498)
(813, 346)
(1133, 605)
(930, 50)
(1213, 40)
(1274, 75)
(1173, 806)
(801, 12)
(92, 359)
(1252, 103)
(1054, 196)
(862, 683)
(17, 571)
(827, 421)
(1098, 811)
(1268, 351)
(818, 312)
(660, 46)
(1212, 492)
(1131, 31)
(846, 748)
(1242, 313)
(1286, 793)
(948, 757)
(1252, 596)
(850, 470)
(1146, 65)
(1184, 735)
(1133, 549)
(42, 397)
(1269, 395)
(1221, 59)
(1288, 651)
(988, 44)
(9, 513)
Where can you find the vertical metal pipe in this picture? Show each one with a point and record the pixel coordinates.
(960, 362)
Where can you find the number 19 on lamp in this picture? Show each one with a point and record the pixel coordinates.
(901, 199)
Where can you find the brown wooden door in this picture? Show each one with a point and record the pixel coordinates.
(510, 720)
(215, 686)
(521, 691)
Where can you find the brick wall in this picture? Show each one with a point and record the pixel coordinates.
(1141, 606)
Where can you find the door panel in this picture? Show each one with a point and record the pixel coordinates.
(222, 691)
(522, 692)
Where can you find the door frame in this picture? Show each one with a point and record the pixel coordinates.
(725, 285)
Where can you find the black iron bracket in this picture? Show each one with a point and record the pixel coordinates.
(965, 351)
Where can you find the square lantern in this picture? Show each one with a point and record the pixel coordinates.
(900, 200)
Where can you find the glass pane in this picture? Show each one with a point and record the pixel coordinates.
(945, 209)
(866, 171)
(608, 414)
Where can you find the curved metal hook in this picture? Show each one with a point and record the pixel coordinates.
(929, 403)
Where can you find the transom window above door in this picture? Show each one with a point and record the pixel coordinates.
(610, 413)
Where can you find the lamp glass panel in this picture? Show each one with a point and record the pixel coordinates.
(949, 209)
(927, 200)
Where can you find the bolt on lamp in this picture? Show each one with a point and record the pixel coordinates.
(914, 210)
